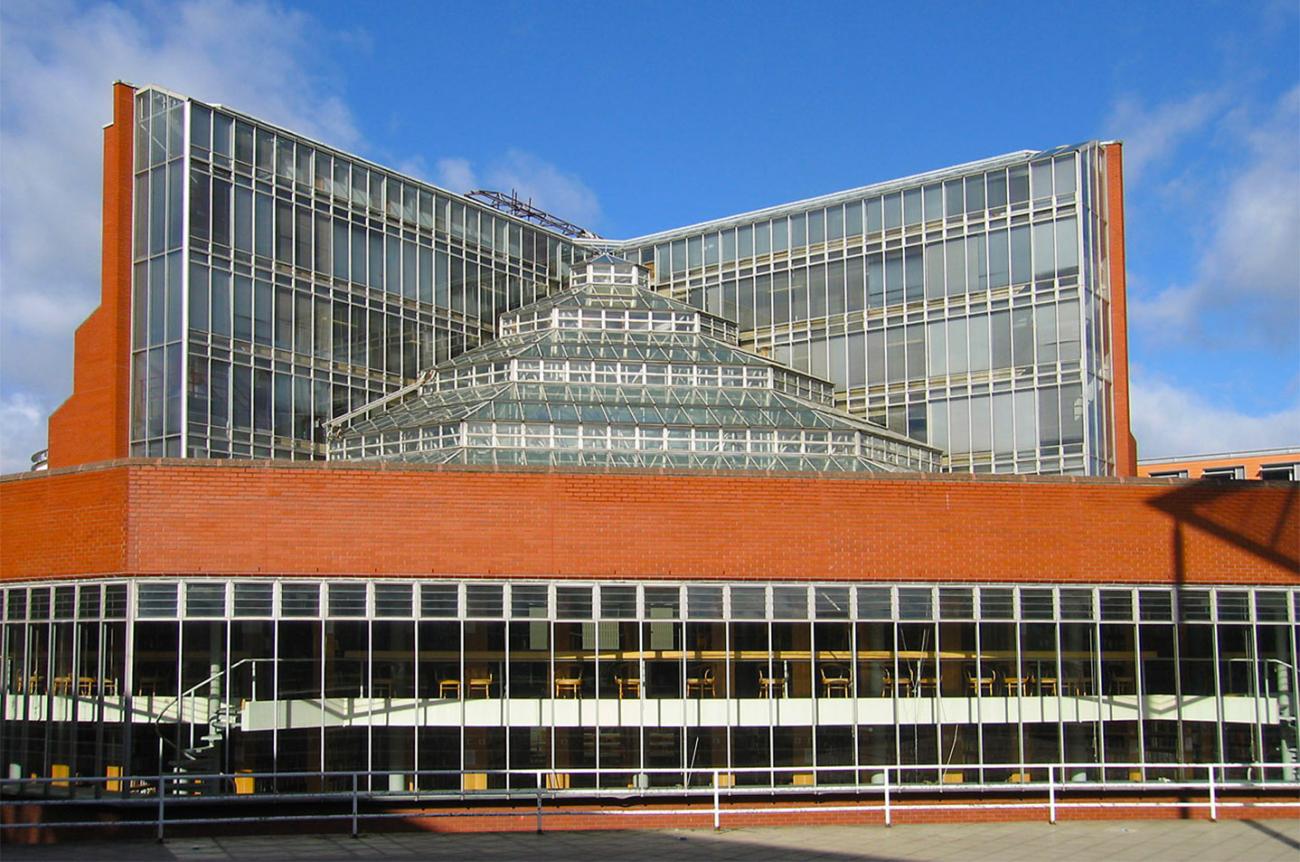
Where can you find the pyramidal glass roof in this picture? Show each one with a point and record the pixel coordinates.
(609, 373)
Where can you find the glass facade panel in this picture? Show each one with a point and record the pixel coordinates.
(973, 260)
(293, 237)
(1115, 696)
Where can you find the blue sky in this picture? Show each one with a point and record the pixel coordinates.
(639, 118)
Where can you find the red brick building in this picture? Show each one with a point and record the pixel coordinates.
(462, 633)
(1273, 465)
(458, 632)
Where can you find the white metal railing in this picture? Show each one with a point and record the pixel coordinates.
(162, 799)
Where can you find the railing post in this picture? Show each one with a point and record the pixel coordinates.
(1051, 795)
(162, 795)
(355, 831)
(717, 802)
(1214, 809)
(889, 814)
(539, 803)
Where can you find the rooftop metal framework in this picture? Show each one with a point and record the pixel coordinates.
(510, 203)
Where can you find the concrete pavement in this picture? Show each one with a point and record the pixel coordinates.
(1128, 841)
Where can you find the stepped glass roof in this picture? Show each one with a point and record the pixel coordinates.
(609, 373)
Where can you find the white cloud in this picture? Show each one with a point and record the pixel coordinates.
(1246, 282)
(58, 60)
(22, 432)
(1152, 133)
(1171, 420)
(550, 188)
(455, 175)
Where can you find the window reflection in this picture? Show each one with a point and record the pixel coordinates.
(971, 693)
(662, 650)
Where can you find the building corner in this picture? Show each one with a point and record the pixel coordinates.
(93, 423)
(1125, 442)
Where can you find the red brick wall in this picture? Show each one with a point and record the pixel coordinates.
(92, 425)
(68, 522)
(1125, 444)
(282, 518)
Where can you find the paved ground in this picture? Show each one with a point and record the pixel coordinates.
(1138, 841)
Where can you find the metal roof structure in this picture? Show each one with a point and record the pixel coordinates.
(610, 373)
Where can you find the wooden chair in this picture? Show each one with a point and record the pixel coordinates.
(1121, 684)
(770, 685)
(449, 688)
(1079, 686)
(570, 685)
(1017, 684)
(834, 679)
(628, 685)
(979, 684)
(930, 682)
(481, 682)
(701, 681)
(1076, 679)
(889, 684)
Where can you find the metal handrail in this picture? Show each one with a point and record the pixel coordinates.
(1059, 768)
(716, 789)
(156, 722)
(192, 689)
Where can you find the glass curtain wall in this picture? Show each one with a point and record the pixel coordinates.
(278, 282)
(967, 308)
(444, 685)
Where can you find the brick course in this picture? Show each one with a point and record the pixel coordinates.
(144, 517)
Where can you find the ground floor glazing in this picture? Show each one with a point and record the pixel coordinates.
(476, 684)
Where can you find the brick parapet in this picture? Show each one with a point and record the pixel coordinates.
(184, 517)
